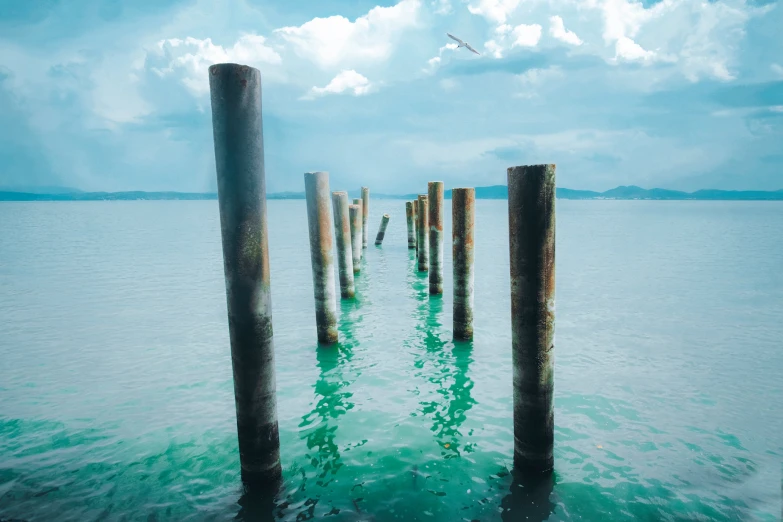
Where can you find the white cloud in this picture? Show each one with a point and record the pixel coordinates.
(434, 62)
(442, 7)
(627, 49)
(557, 30)
(336, 41)
(192, 57)
(532, 79)
(347, 80)
(526, 35)
(777, 69)
(494, 48)
(494, 10)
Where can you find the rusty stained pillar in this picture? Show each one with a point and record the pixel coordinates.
(235, 93)
(531, 230)
(320, 225)
(355, 217)
(463, 204)
(435, 220)
(365, 214)
(416, 224)
(409, 219)
(382, 229)
(342, 232)
(422, 227)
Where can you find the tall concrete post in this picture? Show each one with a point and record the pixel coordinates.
(320, 225)
(463, 203)
(360, 204)
(416, 224)
(435, 218)
(422, 226)
(365, 214)
(409, 219)
(235, 92)
(355, 216)
(342, 232)
(531, 231)
(382, 229)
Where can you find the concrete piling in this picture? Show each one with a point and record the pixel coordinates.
(365, 214)
(382, 229)
(435, 221)
(422, 226)
(320, 226)
(355, 216)
(235, 92)
(463, 203)
(360, 203)
(531, 230)
(342, 232)
(410, 220)
(416, 224)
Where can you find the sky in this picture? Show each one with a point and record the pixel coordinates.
(113, 95)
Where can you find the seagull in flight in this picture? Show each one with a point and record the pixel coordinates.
(462, 44)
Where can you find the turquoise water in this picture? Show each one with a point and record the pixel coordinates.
(116, 400)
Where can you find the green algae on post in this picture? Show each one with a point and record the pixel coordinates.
(342, 232)
(435, 221)
(320, 227)
(235, 95)
(463, 204)
(382, 229)
(422, 227)
(531, 231)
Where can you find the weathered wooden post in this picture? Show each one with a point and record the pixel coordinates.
(355, 216)
(422, 228)
(416, 224)
(319, 223)
(365, 214)
(435, 220)
(360, 204)
(410, 221)
(342, 232)
(382, 229)
(531, 231)
(463, 202)
(235, 92)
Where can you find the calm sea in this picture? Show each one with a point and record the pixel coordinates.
(116, 399)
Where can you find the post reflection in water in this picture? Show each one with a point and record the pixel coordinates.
(529, 498)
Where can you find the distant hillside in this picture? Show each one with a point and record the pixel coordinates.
(492, 192)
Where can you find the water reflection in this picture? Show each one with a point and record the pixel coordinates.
(529, 497)
(258, 503)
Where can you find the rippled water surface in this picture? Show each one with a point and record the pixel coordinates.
(116, 399)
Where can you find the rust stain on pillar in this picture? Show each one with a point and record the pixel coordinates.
(365, 214)
(435, 204)
(422, 225)
(342, 231)
(463, 204)
(355, 216)
(235, 93)
(409, 221)
(320, 225)
(531, 229)
(382, 229)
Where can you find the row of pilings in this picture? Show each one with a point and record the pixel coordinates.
(235, 92)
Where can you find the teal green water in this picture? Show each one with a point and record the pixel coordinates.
(116, 399)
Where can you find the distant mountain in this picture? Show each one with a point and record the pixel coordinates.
(492, 192)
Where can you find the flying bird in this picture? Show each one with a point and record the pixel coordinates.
(462, 44)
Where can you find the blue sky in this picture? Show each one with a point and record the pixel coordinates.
(113, 94)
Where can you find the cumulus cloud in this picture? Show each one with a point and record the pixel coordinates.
(346, 81)
(557, 30)
(442, 7)
(336, 41)
(496, 11)
(627, 49)
(191, 57)
(435, 61)
(526, 35)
